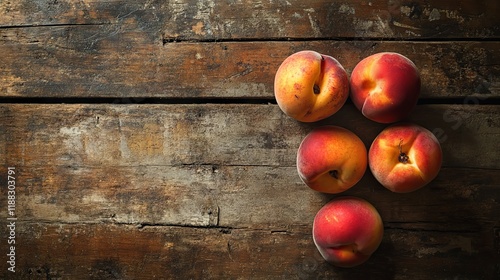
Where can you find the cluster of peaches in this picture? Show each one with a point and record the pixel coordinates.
(404, 157)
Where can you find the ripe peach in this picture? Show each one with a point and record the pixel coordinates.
(310, 86)
(331, 159)
(347, 230)
(385, 87)
(405, 157)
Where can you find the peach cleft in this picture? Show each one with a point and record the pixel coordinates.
(331, 159)
(310, 86)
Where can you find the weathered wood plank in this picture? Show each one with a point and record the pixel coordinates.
(225, 165)
(240, 197)
(220, 134)
(102, 61)
(125, 252)
(216, 20)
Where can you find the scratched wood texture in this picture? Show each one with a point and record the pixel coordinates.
(204, 190)
(148, 144)
(155, 48)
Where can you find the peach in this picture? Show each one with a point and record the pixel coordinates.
(385, 87)
(331, 159)
(347, 231)
(405, 157)
(310, 86)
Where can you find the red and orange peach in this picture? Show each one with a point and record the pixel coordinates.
(310, 86)
(405, 157)
(331, 159)
(347, 231)
(385, 87)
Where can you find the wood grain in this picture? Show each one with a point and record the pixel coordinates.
(172, 160)
(218, 134)
(225, 165)
(100, 251)
(222, 20)
(240, 197)
(102, 62)
(102, 186)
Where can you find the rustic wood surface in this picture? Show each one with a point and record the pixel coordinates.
(147, 143)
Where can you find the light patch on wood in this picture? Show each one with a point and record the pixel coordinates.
(434, 15)
(198, 28)
(91, 142)
(314, 25)
(346, 9)
(10, 11)
(147, 141)
(71, 138)
(131, 218)
(94, 198)
(377, 27)
(124, 150)
(411, 33)
(37, 207)
(100, 146)
(243, 89)
(9, 82)
(168, 245)
(189, 214)
(453, 15)
(405, 10)
(399, 24)
(205, 9)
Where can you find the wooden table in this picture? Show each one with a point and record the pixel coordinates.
(144, 141)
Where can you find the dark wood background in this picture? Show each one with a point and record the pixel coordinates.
(147, 142)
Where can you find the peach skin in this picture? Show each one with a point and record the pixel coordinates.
(310, 86)
(331, 159)
(347, 231)
(385, 87)
(405, 157)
